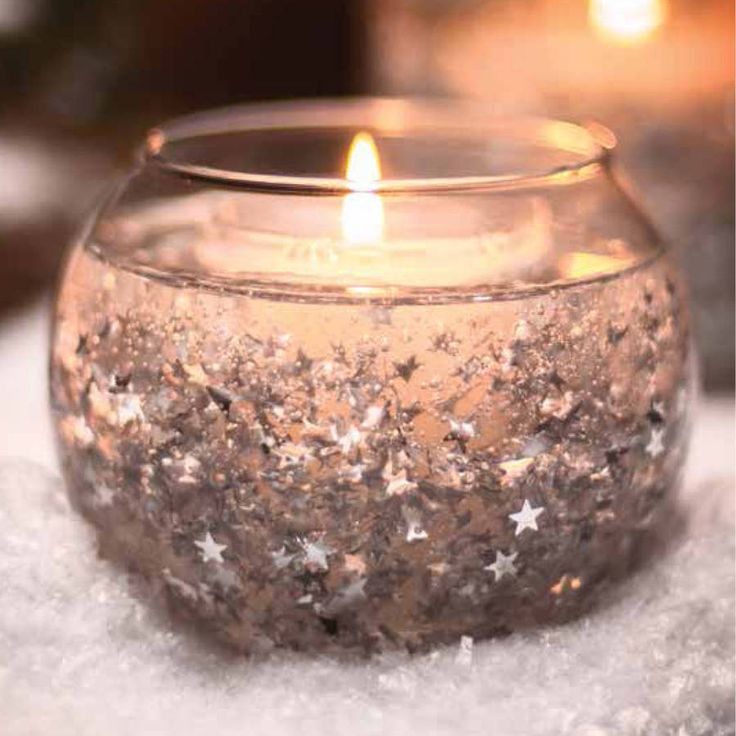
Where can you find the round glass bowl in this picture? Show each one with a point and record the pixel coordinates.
(371, 374)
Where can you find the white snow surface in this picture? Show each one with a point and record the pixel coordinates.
(82, 653)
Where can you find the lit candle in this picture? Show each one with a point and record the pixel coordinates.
(366, 411)
(362, 211)
(345, 242)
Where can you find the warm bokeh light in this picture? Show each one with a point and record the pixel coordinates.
(362, 211)
(627, 21)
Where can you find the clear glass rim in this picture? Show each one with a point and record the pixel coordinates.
(589, 146)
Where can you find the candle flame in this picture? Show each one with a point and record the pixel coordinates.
(362, 210)
(627, 21)
(363, 169)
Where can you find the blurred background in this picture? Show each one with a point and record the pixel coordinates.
(83, 79)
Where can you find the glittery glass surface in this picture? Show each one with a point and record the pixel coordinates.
(314, 475)
(462, 415)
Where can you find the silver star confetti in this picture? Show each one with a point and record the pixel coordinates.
(526, 518)
(210, 550)
(316, 554)
(655, 447)
(503, 565)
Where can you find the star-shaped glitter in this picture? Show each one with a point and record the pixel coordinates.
(315, 554)
(210, 550)
(504, 565)
(656, 445)
(527, 517)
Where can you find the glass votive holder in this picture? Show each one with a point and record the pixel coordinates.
(371, 374)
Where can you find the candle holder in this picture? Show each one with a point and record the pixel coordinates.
(371, 374)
